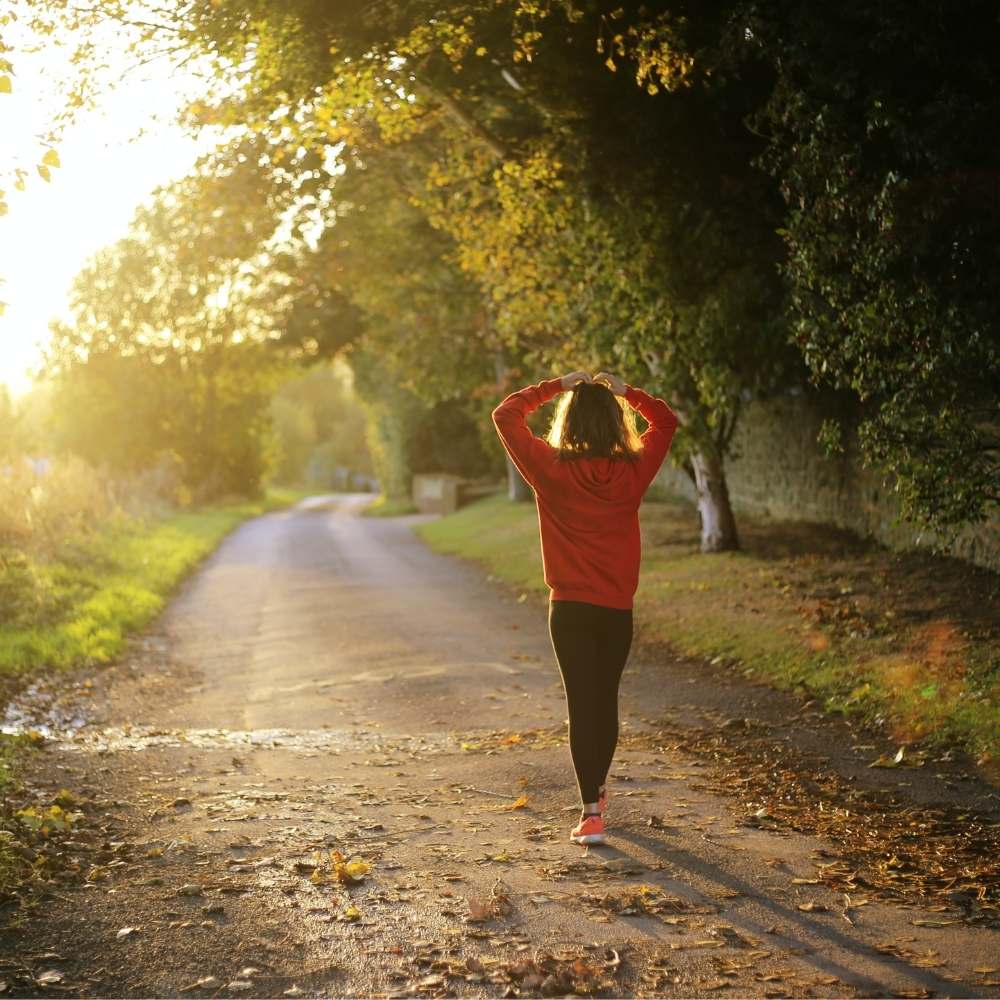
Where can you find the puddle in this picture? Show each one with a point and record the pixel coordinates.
(37, 709)
(109, 739)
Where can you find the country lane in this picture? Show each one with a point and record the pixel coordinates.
(325, 689)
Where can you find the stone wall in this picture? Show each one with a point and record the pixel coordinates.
(780, 470)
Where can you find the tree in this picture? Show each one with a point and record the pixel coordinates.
(319, 427)
(171, 352)
(888, 162)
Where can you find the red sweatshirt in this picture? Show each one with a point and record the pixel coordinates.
(588, 508)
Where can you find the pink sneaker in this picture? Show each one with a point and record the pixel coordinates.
(590, 830)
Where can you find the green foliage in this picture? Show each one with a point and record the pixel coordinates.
(319, 427)
(888, 161)
(717, 200)
(391, 412)
(80, 604)
(170, 356)
(484, 223)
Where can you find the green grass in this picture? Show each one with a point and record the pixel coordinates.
(381, 506)
(81, 607)
(908, 637)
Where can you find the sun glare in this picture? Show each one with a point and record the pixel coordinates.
(110, 161)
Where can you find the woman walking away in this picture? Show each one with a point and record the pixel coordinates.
(589, 476)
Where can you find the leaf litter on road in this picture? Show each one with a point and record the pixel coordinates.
(937, 855)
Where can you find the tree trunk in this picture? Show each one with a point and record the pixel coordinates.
(517, 488)
(718, 526)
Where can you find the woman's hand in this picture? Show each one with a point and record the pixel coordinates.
(613, 382)
(575, 378)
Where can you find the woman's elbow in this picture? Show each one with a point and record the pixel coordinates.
(500, 416)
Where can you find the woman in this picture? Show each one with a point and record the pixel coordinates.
(589, 476)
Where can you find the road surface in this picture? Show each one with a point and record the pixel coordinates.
(326, 683)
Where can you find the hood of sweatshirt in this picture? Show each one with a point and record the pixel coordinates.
(603, 478)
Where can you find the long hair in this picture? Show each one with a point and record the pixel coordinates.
(592, 422)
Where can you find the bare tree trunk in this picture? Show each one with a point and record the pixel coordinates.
(517, 488)
(718, 526)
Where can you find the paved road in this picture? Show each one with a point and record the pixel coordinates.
(325, 683)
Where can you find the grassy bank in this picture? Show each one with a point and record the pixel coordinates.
(81, 606)
(905, 639)
(382, 506)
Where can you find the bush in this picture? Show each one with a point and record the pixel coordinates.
(48, 506)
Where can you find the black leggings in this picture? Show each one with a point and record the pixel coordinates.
(591, 643)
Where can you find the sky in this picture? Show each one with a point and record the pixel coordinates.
(106, 172)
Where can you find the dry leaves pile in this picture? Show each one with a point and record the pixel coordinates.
(504, 739)
(497, 907)
(640, 900)
(562, 973)
(884, 844)
(59, 841)
(548, 976)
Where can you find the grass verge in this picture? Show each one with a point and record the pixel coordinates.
(908, 640)
(381, 506)
(81, 607)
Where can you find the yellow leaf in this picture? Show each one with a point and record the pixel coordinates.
(5, 85)
(51, 159)
(43, 172)
(481, 51)
(352, 913)
(521, 802)
(610, 63)
(357, 869)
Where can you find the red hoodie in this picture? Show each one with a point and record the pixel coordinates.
(588, 508)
